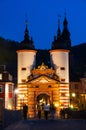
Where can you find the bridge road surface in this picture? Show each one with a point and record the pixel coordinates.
(59, 124)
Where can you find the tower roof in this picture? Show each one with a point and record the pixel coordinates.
(27, 43)
(58, 42)
(66, 33)
(62, 41)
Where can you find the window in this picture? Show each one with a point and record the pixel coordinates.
(62, 68)
(63, 80)
(49, 86)
(23, 68)
(63, 94)
(10, 88)
(37, 86)
(0, 89)
(23, 80)
(76, 86)
(0, 76)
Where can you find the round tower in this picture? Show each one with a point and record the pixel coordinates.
(60, 62)
(26, 55)
(60, 56)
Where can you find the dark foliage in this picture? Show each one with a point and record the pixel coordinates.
(8, 57)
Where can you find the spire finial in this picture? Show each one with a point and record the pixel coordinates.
(59, 16)
(26, 21)
(58, 31)
(26, 36)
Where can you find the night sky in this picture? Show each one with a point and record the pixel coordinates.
(42, 16)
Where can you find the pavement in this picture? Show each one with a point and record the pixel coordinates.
(58, 124)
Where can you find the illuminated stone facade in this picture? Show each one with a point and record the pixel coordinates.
(40, 84)
(43, 85)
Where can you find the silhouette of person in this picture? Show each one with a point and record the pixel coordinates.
(46, 110)
(25, 110)
(52, 111)
(39, 111)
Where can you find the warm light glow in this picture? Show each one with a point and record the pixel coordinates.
(63, 100)
(56, 104)
(6, 96)
(0, 76)
(9, 107)
(64, 91)
(21, 96)
(67, 94)
(71, 106)
(16, 91)
(73, 94)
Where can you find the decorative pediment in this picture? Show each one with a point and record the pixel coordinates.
(42, 66)
(43, 74)
(43, 80)
(43, 69)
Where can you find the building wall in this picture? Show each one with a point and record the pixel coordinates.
(60, 60)
(7, 94)
(28, 95)
(26, 61)
(75, 95)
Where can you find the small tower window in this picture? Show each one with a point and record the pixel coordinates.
(49, 86)
(62, 68)
(37, 86)
(23, 68)
(62, 80)
(23, 80)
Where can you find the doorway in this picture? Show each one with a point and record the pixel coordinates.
(41, 100)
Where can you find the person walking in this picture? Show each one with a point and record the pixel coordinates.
(39, 111)
(25, 111)
(46, 110)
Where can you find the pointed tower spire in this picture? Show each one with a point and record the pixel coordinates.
(65, 23)
(26, 36)
(66, 33)
(58, 41)
(27, 43)
(58, 31)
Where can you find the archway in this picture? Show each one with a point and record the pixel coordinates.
(41, 100)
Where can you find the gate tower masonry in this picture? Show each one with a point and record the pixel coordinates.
(42, 83)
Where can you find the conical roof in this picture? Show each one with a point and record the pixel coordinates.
(27, 43)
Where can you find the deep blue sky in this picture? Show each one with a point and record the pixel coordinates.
(42, 18)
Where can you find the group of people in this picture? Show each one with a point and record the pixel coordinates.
(48, 110)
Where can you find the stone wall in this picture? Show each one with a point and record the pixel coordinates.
(10, 116)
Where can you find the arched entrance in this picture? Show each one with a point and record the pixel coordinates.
(41, 100)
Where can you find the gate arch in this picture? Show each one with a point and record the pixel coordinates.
(43, 98)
